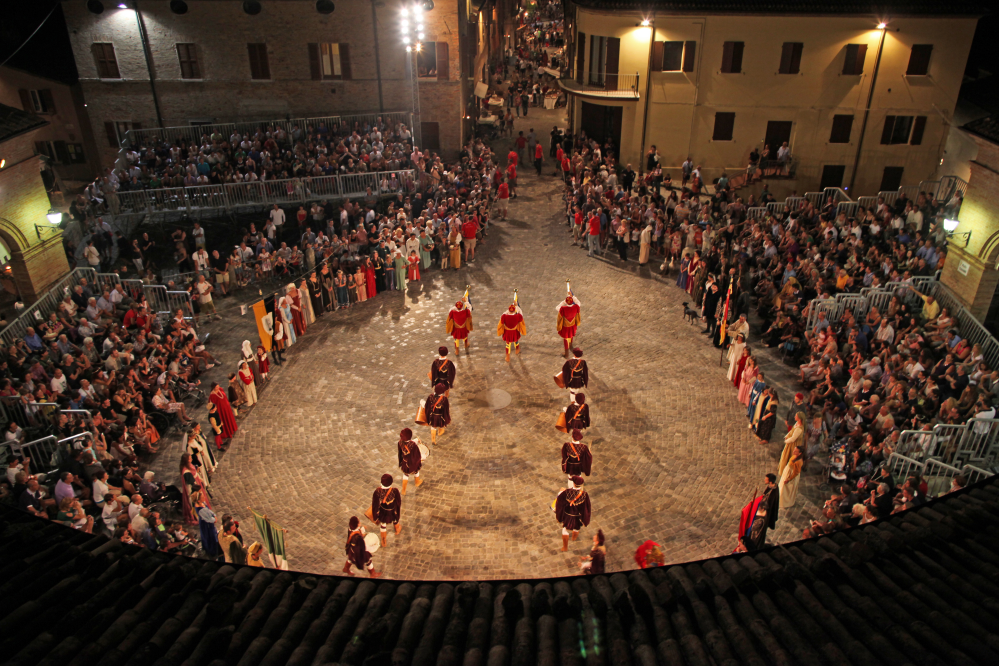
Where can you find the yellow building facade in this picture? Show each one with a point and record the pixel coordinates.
(715, 86)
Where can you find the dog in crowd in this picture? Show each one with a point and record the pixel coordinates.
(689, 313)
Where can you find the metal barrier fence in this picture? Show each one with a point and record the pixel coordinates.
(262, 193)
(937, 474)
(971, 329)
(40, 310)
(973, 442)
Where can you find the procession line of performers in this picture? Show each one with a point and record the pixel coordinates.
(571, 506)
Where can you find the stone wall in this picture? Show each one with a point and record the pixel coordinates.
(226, 93)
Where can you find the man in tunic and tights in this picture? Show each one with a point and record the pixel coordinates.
(766, 515)
(386, 507)
(357, 553)
(568, 320)
(572, 510)
(511, 326)
(442, 371)
(576, 457)
(575, 374)
(438, 412)
(577, 414)
(459, 324)
(410, 458)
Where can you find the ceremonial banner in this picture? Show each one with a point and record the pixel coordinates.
(273, 537)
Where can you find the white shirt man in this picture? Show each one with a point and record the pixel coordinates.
(201, 260)
(277, 216)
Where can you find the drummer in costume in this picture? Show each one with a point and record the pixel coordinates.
(442, 371)
(576, 457)
(572, 510)
(357, 552)
(386, 507)
(575, 374)
(459, 324)
(577, 414)
(511, 326)
(568, 320)
(438, 412)
(410, 458)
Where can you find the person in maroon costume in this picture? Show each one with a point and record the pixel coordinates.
(442, 371)
(386, 507)
(577, 414)
(438, 412)
(357, 552)
(410, 459)
(575, 374)
(572, 510)
(576, 457)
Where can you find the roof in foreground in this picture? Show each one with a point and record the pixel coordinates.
(918, 588)
(849, 7)
(987, 128)
(14, 122)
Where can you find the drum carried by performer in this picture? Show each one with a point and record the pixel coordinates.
(358, 550)
(435, 412)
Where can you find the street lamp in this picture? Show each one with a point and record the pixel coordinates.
(54, 217)
(411, 30)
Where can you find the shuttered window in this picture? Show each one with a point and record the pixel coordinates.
(842, 127)
(919, 60)
(104, 58)
(329, 61)
(689, 53)
(724, 124)
(790, 58)
(259, 65)
(187, 54)
(580, 56)
(853, 63)
(443, 61)
(732, 57)
(897, 130)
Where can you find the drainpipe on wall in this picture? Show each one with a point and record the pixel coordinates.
(149, 62)
(867, 110)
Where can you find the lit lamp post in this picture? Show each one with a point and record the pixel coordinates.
(950, 227)
(54, 217)
(411, 27)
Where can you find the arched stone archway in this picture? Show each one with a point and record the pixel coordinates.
(36, 263)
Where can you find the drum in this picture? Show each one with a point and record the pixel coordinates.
(424, 451)
(372, 542)
(552, 507)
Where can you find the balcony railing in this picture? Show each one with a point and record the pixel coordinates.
(602, 84)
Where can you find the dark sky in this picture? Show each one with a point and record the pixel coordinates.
(48, 53)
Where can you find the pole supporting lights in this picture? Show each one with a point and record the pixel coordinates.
(412, 32)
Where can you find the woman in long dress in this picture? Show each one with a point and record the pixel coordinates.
(360, 285)
(250, 359)
(306, 301)
(328, 282)
(399, 266)
(249, 389)
(764, 426)
(793, 440)
(684, 276)
(694, 270)
(426, 245)
(454, 245)
(645, 243)
(286, 318)
(748, 379)
(201, 454)
(740, 367)
(340, 287)
(219, 398)
(206, 526)
(370, 278)
(413, 273)
(315, 295)
(735, 355)
(294, 299)
(191, 486)
(789, 479)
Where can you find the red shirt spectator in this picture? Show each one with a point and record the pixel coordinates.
(470, 228)
(594, 223)
(521, 143)
(511, 172)
(565, 164)
(504, 191)
(559, 154)
(512, 157)
(538, 153)
(577, 219)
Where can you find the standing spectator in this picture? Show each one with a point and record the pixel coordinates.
(205, 289)
(92, 255)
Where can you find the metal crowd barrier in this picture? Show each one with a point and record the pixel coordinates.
(973, 442)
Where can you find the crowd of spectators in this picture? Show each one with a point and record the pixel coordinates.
(865, 377)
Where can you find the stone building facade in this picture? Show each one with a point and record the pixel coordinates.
(216, 63)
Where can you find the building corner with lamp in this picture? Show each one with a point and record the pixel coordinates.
(972, 267)
(37, 258)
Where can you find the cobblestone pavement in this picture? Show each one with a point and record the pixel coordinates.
(673, 459)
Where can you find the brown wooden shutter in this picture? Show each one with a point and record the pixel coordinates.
(887, 131)
(727, 57)
(737, 48)
(259, 64)
(47, 101)
(314, 67)
(443, 62)
(842, 127)
(689, 55)
(26, 100)
(580, 56)
(104, 58)
(919, 60)
(724, 126)
(187, 54)
(345, 73)
(658, 49)
(861, 57)
(112, 134)
(611, 65)
(917, 131)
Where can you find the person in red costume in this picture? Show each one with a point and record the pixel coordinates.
(459, 324)
(568, 320)
(511, 326)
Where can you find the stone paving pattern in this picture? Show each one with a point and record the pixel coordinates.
(673, 459)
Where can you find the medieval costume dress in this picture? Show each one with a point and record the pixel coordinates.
(370, 278)
(695, 269)
(510, 327)
(438, 409)
(575, 374)
(202, 456)
(426, 245)
(358, 290)
(237, 393)
(306, 301)
(316, 295)
(459, 323)
(576, 458)
(567, 320)
(399, 266)
(413, 272)
(221, 401)
(386, 506)
(191, 484)
(328, 282)
(356, 550)
(572, 510)
(788, 484)
(215, 421)
(740, 367)
(577, 414)
(748, 379)
(442, 371)
(764, 426)
(284, 310)
(379, 266)
(251, 360)
(766, 508)
(294, 300)
(410, 458)
(734, 357)
(342, 293)
(683, 277)
(209, 533)
(263, 363)
(245, 376)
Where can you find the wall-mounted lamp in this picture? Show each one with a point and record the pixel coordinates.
(54, 217)
(950, 226)
(646, 23)
(882, 25)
